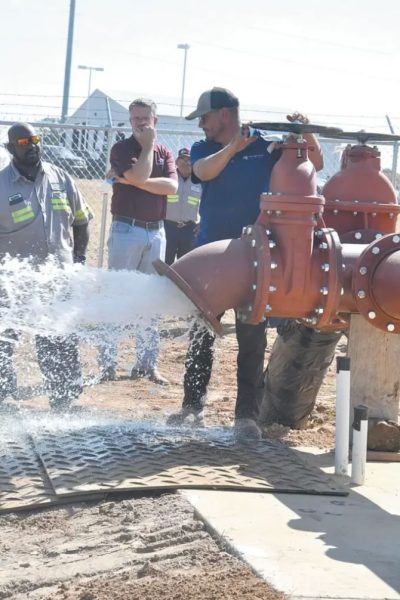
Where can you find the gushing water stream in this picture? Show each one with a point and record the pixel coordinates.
(49, 300)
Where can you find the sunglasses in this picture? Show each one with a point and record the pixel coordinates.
(34, 139)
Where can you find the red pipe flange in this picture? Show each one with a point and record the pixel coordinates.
(257, 237)
(363, 284)
(327, 241)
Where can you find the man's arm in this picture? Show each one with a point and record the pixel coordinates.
(314, 151)
(155, 185)
(164, 185)
(159, 185)
(81, 241)
(209, 167)
(140, 170)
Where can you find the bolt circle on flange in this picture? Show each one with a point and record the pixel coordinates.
(362, 284)
(325, 314)
(260, 244)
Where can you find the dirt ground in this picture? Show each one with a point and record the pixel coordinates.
(147, 547)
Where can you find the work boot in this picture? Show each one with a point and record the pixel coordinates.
(108, 374)
(60, 405)
(152, 374)
(138, 373)
(247, 430)
(193, 416)
(8, 385)
(156, 377)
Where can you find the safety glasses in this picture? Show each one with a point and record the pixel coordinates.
(34, 139)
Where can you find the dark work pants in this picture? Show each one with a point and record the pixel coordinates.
(179, 240)
(59, 363)
(252, 342)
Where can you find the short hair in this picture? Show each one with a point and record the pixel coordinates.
(234, 110)
(144, 102)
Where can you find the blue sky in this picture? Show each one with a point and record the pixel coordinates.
(330, 59)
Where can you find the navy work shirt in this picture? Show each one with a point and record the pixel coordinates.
(230, 201)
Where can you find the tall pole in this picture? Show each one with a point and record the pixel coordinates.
(184, 47)
(90, 81)
(68, 60)
(395, 154)
(90, 69)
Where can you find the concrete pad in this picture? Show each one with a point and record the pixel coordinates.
(316, 546)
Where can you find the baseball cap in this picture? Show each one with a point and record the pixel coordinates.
(183, 152)
(213, 99)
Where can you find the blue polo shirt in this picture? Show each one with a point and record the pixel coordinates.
(231, 200)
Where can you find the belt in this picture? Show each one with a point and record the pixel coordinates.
(138, 223)
(181, 224)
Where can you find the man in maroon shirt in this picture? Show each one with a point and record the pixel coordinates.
(144, 174)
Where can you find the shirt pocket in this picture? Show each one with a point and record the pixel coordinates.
(21, 210)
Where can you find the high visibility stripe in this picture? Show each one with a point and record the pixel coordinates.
(60, 204)
(81, 215)
(173, 198)
(24, 214)
(193, 200)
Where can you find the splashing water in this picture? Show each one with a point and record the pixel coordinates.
(49, 300)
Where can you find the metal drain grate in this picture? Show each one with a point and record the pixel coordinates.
(105, 458)
(23, 480)
(58, 464)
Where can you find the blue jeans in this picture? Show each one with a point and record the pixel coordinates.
(135, 249)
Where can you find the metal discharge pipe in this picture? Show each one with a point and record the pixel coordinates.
(289, 264)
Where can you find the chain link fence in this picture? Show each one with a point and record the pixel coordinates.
(84, 153)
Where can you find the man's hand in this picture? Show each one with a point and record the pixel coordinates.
(145, 136)
(241, 140)
(297, 117)
(111, 174)
(315, 152)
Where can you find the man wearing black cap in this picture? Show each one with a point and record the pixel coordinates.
(182, 210)
(234, 170)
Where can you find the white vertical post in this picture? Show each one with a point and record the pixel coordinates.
(184, 47)
(360, 435)
(102, 239)
(342, 432)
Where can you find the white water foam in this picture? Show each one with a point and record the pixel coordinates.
(50, 300)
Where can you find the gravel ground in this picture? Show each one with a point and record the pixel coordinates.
(149, 547)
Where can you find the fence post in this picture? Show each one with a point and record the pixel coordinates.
(106, 192)
(395, 153)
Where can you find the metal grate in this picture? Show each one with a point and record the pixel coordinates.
(46, 466)
(110, 458)
(23, 480)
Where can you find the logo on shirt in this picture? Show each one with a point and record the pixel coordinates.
(57, 187)
(15, 199)
(249, 157)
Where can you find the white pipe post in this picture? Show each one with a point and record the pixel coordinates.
(103, 226)
(342, 431)
(360, 435)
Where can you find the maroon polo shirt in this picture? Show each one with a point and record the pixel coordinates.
(130, 201)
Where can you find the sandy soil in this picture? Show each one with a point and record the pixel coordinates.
(139, 547)
(147, 548)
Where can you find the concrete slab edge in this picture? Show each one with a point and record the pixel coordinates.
(231, 548)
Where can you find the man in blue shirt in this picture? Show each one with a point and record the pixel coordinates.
(234, 170)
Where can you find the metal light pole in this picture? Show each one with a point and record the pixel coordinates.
(90, 69)
(184, 47)
(67, 73)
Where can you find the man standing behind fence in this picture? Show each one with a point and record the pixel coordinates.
(145, 174)
(182, 210)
